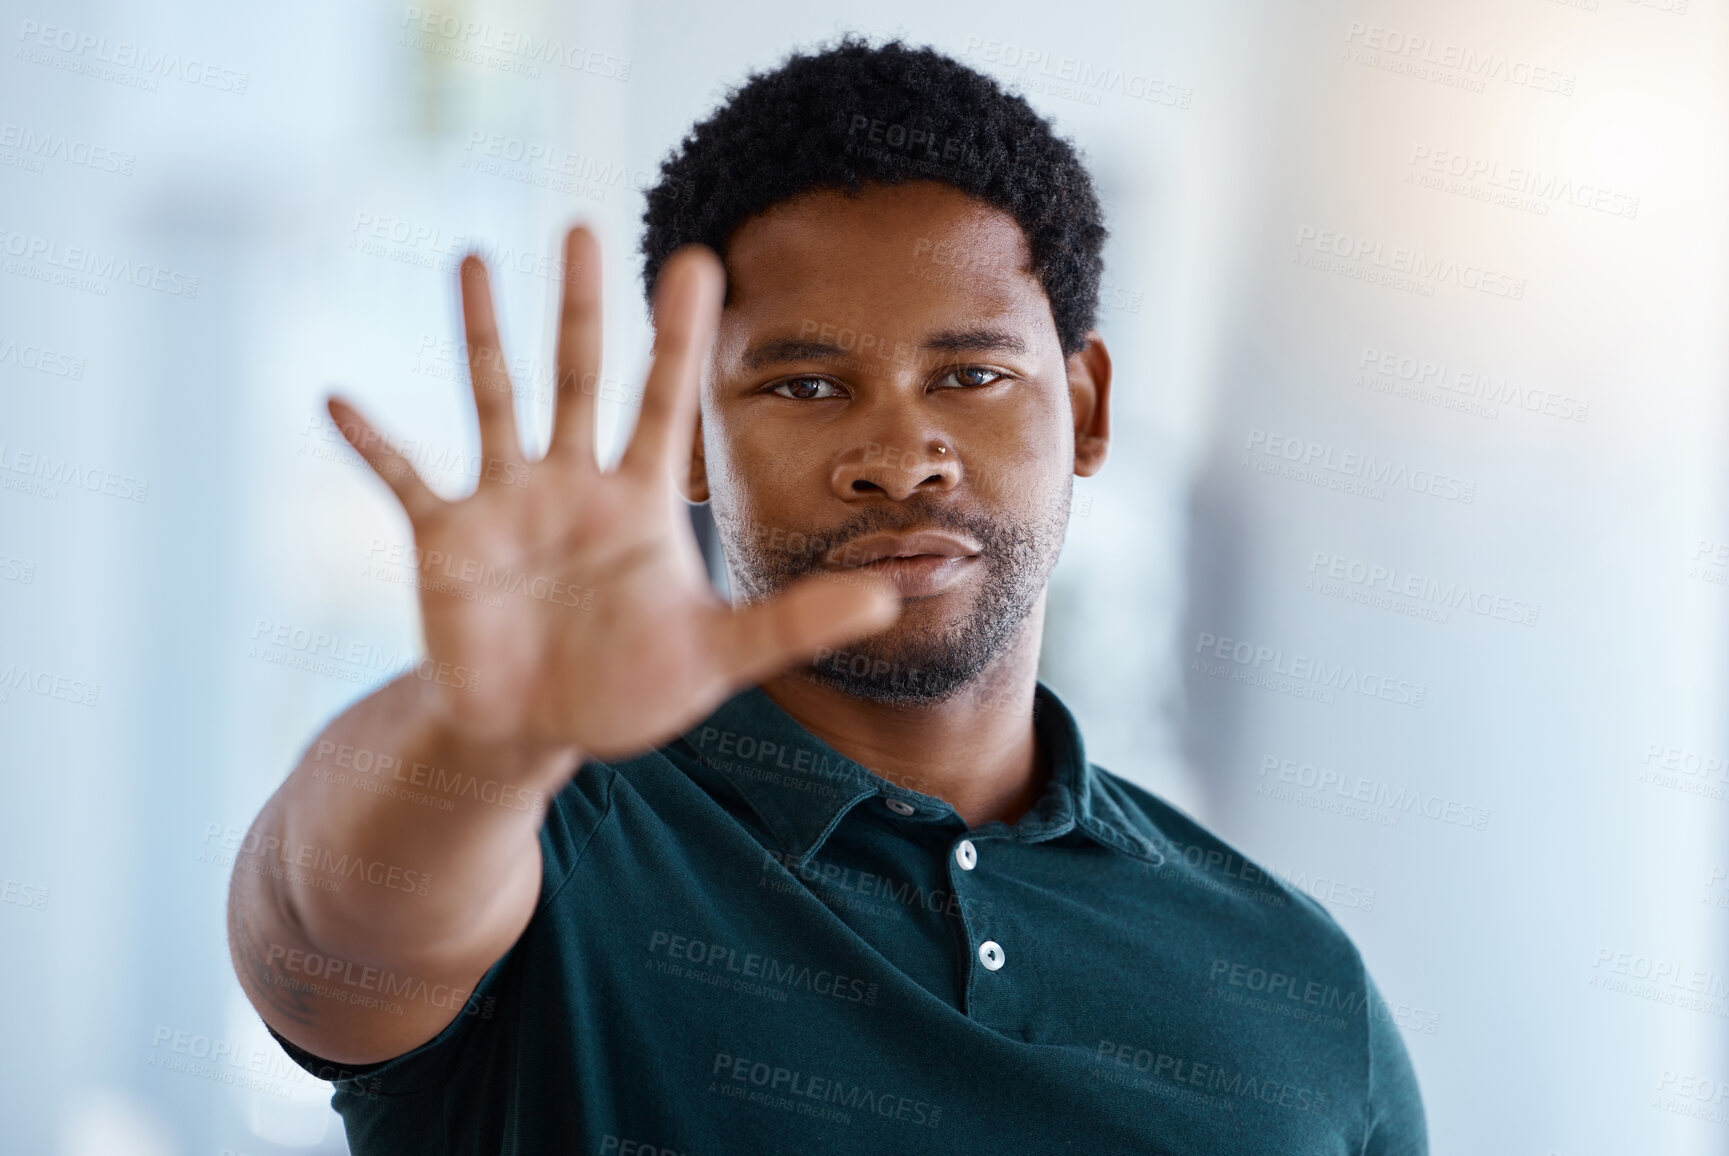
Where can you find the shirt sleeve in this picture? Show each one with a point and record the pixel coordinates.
(1397, 1126)
(571, 821)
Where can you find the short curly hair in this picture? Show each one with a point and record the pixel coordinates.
(855, 113)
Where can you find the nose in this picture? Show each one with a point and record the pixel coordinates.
(878, 469)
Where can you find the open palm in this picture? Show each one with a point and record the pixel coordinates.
(576, 605)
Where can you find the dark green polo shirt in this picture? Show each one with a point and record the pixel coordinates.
(747, 943)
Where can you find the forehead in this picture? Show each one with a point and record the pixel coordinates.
(900, 260)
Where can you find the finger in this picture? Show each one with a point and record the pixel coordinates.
(578, 356)
(686, 310)
(494, 402)
(763, 639)
(417, 500)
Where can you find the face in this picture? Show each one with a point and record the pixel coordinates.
(889, 393)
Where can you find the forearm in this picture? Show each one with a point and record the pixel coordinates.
(396, 843)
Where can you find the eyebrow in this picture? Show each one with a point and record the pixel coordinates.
(980, 340)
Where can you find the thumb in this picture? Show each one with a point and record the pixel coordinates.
(764, 638)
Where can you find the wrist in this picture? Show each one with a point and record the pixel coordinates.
(495, 742)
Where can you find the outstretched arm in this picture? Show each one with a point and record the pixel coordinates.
(580, 623)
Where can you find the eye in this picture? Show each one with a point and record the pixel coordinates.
(806, 388)
(973, 376)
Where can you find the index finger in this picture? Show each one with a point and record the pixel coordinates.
(386, 461)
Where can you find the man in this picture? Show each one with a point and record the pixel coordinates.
(623, 869)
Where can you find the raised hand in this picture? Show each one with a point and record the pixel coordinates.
(609, 638)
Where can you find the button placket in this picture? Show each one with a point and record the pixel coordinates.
(984, 953)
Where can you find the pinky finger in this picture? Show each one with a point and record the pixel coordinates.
(417, 500)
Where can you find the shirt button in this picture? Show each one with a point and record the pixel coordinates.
(966, 854)
(898, 807)
(991, 954)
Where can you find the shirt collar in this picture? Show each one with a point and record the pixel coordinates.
(801, 788)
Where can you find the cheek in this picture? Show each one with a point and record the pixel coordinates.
(753, 474)
(1019, 458)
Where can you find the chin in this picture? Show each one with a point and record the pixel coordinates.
(908, 664)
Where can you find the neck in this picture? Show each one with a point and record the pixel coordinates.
(975, 750)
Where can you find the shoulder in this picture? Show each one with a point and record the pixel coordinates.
(669, 798)
(1202, 862)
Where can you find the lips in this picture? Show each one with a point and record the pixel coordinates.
(919, 564)
(934, 545)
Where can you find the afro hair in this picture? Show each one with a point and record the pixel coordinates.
(855, 113)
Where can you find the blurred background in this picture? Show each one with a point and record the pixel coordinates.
(1407, 574)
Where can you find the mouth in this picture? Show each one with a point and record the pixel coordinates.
(919, 564)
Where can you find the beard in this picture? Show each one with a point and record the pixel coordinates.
(907, 665)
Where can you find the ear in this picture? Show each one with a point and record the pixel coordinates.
(695, 484)
(1089, 370)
